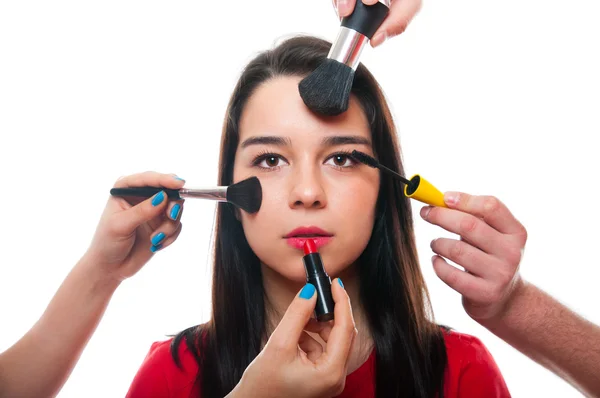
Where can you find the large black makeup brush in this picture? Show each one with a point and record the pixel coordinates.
(416, 188)
(327, 90)
(246, 194)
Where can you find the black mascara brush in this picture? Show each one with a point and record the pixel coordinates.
(246, 194)
(416, 188)
(327, 90)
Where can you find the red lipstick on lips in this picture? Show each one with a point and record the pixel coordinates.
(316, 275)
(299, 236)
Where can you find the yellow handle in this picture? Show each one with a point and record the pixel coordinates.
(425, 192)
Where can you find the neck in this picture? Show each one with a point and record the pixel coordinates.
(279, 293)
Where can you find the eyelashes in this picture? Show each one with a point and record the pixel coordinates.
(272, 160)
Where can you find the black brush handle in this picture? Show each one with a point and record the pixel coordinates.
(145, 192)
(366, 19)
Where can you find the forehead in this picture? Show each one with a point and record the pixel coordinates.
(276, 108)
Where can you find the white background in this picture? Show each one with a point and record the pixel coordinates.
(490, 97)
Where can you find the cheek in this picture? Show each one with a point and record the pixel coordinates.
(259, 228)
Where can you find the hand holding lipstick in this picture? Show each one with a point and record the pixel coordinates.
(292, 363)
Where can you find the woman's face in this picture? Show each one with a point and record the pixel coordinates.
(311, 188)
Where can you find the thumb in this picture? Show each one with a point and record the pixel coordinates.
(130, 219)
(288, 332)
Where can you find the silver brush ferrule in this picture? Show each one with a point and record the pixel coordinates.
(347, 47)
(385, 3)
(218, 193)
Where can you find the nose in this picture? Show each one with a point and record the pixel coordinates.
(307, 189)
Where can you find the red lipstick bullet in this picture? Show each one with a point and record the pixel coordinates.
(316, 275)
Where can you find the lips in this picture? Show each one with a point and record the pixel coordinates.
(298, 237)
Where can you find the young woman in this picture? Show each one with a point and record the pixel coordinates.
(260, 340)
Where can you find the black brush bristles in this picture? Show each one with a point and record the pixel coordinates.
(246, 194)
(372, 162)
(326, 90)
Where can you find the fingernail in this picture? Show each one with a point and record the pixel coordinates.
(340, 282)
(154, 249)
(175, 211)
(158, 198)
(451, 198)
(425, 211)
(158, 238)
(307, 291)
(178, 178)
(379, 39)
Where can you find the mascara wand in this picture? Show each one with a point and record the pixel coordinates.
(416, 188)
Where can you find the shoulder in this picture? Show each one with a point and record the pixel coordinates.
(471, 370)
(159, 375)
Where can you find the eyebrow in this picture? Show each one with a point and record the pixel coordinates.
(327, 141)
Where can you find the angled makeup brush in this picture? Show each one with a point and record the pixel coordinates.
(327, 89)
(246, 194)
(416, 188)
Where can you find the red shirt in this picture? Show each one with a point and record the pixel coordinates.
(471, 373)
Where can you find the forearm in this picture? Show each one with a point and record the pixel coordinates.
(552, 335)
(40, 362)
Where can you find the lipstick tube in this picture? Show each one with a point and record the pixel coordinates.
(316, 276)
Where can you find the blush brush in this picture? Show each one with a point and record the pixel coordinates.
(326, 90)
(416, 188)
(246, 194)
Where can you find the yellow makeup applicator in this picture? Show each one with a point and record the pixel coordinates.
(416, 188)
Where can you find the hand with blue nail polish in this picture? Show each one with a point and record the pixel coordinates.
(292, 363)
(131, 230)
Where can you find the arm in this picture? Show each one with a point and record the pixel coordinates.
(49, 351)
(552, 335)
(39, 364)
(490, 249)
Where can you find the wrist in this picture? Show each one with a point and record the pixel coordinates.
(510, 307)
(96, 277)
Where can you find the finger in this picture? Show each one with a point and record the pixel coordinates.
(310, 346)
(470, 286)
(150, 179)
(175, 209)
(323, 329)
(344, 329)
(470, 258)
(165, 230)
(400, 15)
(168, 241)
(126, 222)
(370, 2)
(286, 335)
(488, 208)
(344, 7)
(473, 229)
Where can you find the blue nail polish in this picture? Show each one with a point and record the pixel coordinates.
(158, 198)
(307, 291)
(340, 282)
(153, 249)
(178, 178)
(175, 211)
(158, 238)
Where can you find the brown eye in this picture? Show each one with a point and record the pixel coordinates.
(272, 161)
(340, 160)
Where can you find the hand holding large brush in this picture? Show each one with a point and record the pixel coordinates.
(401, 14)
